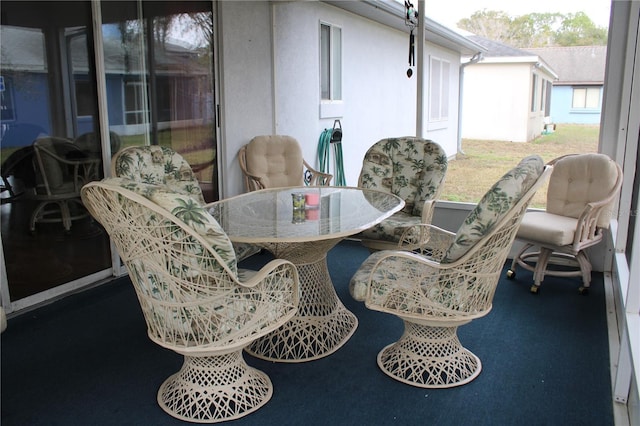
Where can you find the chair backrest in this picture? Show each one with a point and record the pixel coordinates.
(52, 172)
(580, 179)
(412, 168)
(89, 142)
(180, 261)
(157, 165)
(276, 159)
(502, 206)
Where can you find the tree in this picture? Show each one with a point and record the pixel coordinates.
(579, 30)
(535, 29)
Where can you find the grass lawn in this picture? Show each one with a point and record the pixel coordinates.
(471, 174)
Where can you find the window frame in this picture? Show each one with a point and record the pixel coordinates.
(585, 100)
(439, 85)
(330, 61)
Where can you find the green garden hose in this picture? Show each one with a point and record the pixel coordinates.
(324, 151)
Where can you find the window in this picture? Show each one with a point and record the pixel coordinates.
(586, 98)
(7, 109)
(85, 99)
(134, 93)
(439, 90)
(330, 62)
(547, 99)
(534, 93)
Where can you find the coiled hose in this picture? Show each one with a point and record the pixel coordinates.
(324, 151)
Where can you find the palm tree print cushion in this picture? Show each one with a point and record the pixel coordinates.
(158, 165)
(502, 196)
(190, 211)
(409, 167)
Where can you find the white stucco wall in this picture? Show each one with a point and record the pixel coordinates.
(496, 102)
(378, 98)
(269, 83)
(246, 84)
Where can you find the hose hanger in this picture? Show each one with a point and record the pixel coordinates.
(411, 20)
(336, 132)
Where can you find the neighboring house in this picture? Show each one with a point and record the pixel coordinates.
(576, 96)
(506, 94)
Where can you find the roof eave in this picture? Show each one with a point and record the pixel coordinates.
(391, 14)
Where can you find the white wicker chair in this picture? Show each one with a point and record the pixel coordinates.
(580, 198)
(184, 271)
(452, 286)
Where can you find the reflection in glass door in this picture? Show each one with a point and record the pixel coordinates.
(159, 77)
(48, 120)
(158, 81)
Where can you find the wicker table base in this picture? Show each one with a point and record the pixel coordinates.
(322, 324)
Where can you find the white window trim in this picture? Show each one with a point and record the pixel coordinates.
(332, 57)
(443, 86)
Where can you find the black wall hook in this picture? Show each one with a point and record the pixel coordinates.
(336, 132)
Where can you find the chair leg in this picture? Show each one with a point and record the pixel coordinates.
(541, 267)
(211, 389)
(429, 357)
(585, 268)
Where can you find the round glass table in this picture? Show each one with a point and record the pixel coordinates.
(304, 235)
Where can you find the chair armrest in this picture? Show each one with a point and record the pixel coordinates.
(316, 178)
(587, 231)
(410, 285)
(253, 182)
(429, 240)
(235, 313)
(428, 209)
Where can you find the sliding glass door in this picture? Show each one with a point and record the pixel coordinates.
(159, 77)
(155, 60)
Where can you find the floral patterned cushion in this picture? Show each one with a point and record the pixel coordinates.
(359, 284)
(502, 196)
(158, 165)
(187, 209)
(411, 168)
(392, 228)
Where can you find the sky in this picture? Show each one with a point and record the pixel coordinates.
(450, 12)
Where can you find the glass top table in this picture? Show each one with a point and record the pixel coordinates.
(303, 236)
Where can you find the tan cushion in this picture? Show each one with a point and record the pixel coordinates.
(578, 180)
(277, 159)
(548, 228)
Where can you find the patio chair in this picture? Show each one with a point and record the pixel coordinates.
(90, 143)
(582, 191)
(414, 169)
(435, 294)
(193, 298)
(163, 166)
(276, 161)
(60, 171)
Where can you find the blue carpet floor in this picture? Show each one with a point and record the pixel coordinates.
(86, 360)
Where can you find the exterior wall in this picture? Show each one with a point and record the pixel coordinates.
(246, 83)
(561, 111)
(379, 100)
(29, 106)
(496, 102)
